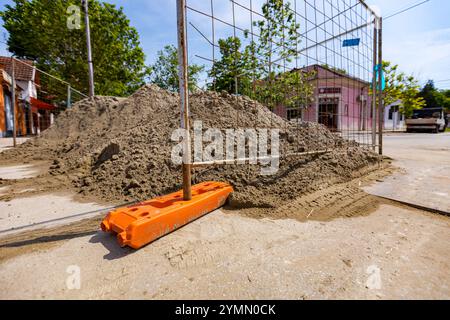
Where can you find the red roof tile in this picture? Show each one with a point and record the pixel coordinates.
(23, 68)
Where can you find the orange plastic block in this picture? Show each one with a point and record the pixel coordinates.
(140, 224)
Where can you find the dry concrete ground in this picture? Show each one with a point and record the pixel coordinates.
(394, 251)
(50, 209)
(425, 179)
(7, 143)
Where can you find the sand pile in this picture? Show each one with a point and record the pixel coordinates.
(119, 149)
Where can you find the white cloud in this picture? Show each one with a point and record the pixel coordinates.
(426, 54)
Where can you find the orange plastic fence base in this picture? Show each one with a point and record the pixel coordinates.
(147, 221)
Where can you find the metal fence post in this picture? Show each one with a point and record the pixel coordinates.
(380, 91)
(89, 49)
(374, 86)
(184, 96)
(69, 96)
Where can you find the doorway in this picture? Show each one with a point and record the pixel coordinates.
(328, 113)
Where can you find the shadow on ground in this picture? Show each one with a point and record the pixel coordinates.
(109, 241)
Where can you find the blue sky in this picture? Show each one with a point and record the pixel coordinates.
(417, 40)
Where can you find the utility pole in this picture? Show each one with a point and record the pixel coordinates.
(184, 95)
(13, 99)
(89, 49)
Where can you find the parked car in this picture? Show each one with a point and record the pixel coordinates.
(429, 119)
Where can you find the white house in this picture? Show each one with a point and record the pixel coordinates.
(393, 119)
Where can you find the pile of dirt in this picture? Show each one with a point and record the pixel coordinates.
(120, 149)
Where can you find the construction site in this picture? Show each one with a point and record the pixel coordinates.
(278, 183)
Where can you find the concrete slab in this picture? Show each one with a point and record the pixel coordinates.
(395, 253)
(18, 172)
(425, 159)
(33, 211)
(7, 143)
(3, 190)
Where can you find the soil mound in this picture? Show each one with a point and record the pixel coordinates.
(120, 149)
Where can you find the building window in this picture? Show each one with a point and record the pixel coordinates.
(294, 113)
(391, 112)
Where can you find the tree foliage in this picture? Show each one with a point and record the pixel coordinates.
(279, 30)
(232, 72)
(276, 46)
(38, 31)
(259, 70)
(164, 72)
(399, 86)
(435, 98)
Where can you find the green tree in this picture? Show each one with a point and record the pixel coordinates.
(431, 95)
(276, 47)
(292, 89)
(394, 80)
(446, 99)
(411, 100)
(435, 98)
(279, 36)
(38, 31)
(165, 70)
(232, 72)
(399, 86)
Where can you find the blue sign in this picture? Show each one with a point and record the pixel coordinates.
(377, 70)
(351, 42)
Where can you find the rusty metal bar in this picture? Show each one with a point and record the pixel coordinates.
(233, 161)
(374, 87)
(368, 8)
(380, 91)
(184, 97)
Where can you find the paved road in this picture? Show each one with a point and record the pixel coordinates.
(425, 160)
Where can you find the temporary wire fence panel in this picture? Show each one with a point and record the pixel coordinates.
(310, 62)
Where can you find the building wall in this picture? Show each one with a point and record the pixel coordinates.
(20, 115)
(352, 114)
(356, 114)
(21, 124)
(29, 90)
(2, 114)
(393, 119)
(24, 91)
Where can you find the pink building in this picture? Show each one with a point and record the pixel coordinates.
(341, 102)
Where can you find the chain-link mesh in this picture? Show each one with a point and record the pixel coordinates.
(308, 61)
